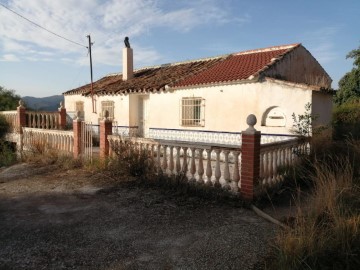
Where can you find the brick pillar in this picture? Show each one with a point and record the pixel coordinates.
(21, 116)
(250, 159)
(62, 116)
(105, 130)
(77, 137)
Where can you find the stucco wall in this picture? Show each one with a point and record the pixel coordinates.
(226, 107)
(322, 106)
(301, 67)
(226, 110)
(121, 108)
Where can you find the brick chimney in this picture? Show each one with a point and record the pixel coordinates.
(128, 70)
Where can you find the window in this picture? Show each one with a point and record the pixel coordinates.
(107, 106)
(192, 111)
(274, 117)
(79, 107)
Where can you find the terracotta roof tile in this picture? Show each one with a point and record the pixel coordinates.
(148, 79)
(234, 67)
(238, 66)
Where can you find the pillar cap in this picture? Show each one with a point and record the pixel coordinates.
(251, 121)
(21, 103)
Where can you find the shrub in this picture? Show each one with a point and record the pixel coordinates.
(7, 154)
(346, 120)
(4, 127)
(131, 160)
(7, 150)
(326, 235)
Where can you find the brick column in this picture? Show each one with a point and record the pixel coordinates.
(21, 116)
(77, 137)
(105, 130)
(250, 159)
(62, 116)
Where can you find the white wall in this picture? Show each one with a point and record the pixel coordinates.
(322, 107)
(121, 109)
(226, 107)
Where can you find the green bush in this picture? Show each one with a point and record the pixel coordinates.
(346, 120)
(7, 154)
(4, 126)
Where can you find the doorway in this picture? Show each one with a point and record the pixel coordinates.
(143, 116)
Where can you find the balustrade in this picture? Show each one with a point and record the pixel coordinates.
(43, 120)
(42, 140)
(279, 155)
(222, 164)
(11, 119)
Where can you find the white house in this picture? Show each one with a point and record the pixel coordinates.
(208, 100)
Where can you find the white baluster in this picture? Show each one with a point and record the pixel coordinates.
(158, 164)
(226, 170)
(274, 165)
(208, 168)
(164, 164)
(177, 163)
(201, 166)
(185, 165)
(217, 169)
(270, 167)
(236, 174)
(192, 165)
(171, 165)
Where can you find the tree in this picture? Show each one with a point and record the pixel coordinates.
(349, 85)
(8, 99)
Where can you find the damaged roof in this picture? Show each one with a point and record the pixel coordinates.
(227, 68)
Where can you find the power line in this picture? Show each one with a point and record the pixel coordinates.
(38, 25)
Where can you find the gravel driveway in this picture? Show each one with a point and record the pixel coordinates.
(72, 220)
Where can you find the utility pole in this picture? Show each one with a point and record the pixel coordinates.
(91, 75)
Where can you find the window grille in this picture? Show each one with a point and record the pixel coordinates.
(79, 107)
(192, 112)
(107, 106)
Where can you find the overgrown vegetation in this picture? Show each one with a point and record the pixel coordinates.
(346, 120)
(7, 150)
(8, 99)
(130, 160)
(325, 235)
(325, 232)
(349, 85)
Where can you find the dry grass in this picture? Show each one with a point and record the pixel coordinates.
(327, 235)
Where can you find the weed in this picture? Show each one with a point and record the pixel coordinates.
(327, 234)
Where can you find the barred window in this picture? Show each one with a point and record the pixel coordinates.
(107, 106)
(192, 112)
(79, 107)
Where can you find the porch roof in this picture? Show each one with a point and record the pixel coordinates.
(244, 65)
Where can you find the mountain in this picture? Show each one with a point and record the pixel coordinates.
(49, 104)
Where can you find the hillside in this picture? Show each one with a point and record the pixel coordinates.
(51, 103)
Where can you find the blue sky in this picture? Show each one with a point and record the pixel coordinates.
(33, 62)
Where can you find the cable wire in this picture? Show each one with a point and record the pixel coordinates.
(38, 25)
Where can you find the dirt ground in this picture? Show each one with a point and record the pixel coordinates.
(52, 219)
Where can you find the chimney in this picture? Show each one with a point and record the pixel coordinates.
(128, 71)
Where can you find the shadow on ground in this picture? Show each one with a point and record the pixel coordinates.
(69, 222)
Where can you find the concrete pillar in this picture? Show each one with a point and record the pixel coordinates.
(21, 116)
(250, 159)
(62, 116)
(77, 137)
(105, 130)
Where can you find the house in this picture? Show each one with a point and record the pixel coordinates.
(207, 100)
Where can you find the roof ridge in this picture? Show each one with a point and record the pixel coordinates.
(268, 49)
(173, 64)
